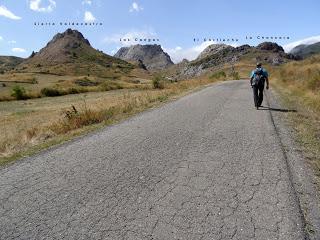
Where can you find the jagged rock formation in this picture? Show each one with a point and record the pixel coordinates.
(213, 49)
(152, 56)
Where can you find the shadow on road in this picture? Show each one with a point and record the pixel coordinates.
(277, 109)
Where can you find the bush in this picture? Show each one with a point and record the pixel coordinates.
(52, 92)
(158, 82)
(19, 93)
(85, 82)
(34, 81)
(108, 86)
(75, 90)
(218, 75)
(74, 119)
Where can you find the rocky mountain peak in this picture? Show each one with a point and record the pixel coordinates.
(152, 56)
(213, 49)
(69, 52)
(270, 46)
(72, 38)
(61, 47)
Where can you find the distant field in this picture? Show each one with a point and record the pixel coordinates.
(34, 83)
(31, 82)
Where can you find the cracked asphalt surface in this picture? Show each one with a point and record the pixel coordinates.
(207, 166)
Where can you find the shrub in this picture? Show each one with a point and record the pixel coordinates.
(218, 75)
(74, 119)
(19, 93)
(52, 92)
(109, 85)
(75, 90)
(158, 82)
(85, 82)
(34, 81)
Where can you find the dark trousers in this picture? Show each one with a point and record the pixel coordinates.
(258, 95)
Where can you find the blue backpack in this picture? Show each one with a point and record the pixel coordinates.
(258, 78)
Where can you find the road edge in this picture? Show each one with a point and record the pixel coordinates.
(301, 174)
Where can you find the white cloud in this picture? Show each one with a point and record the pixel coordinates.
(35, 6)
(1, 38)
(135, 7)
(141, 34)
(177, 54)
(88, 17)
(88, 2)
(18, 50)
(7, 13)
(288, 47)
(12, 42)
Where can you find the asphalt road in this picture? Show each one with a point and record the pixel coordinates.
(207, 166)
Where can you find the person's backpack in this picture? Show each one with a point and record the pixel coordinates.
(259, 78)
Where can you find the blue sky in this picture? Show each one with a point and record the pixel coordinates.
(174, 22)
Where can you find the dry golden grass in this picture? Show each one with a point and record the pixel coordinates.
(34, 83)
(299, 85)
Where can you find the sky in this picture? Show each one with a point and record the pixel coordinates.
(183, 28)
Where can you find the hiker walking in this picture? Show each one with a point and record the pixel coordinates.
(258, 77)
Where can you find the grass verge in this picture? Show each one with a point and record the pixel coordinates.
(298, 84)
